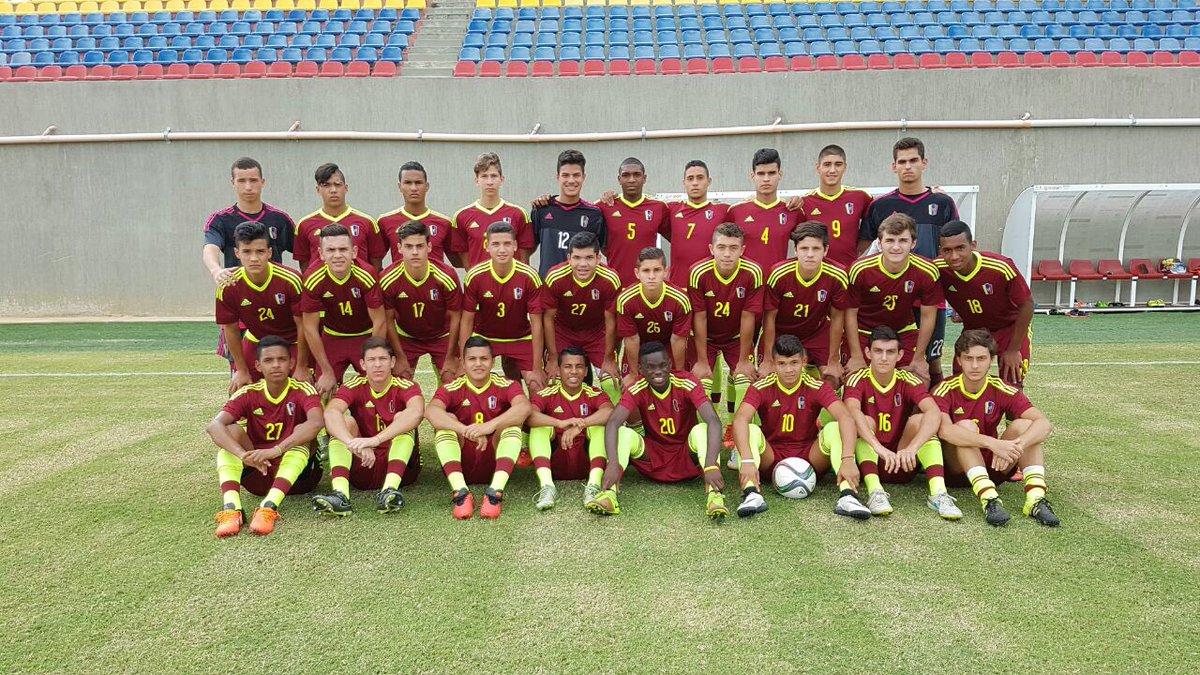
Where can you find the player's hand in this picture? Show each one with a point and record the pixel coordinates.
(955, 317)
(888, 458)
(260, 459)
(612, 475)
(765, 368)
(907, 458)
(450, 369)
(832, 371)
(240, 379)
(920, 368)
(1010, 366)
(551, 372)
(794, 204)
(855, 364)
(747, 473)
(609, 367)
(303, 375)
(542, 200)
(568, 436)
(849, 473)
(363, 443)
(607, 198)
(403, 369)
(366, 456)
(714, 479)
(702, 371)
(745, 368)
(629, 379)
(535, 380)
(1004, 453)
(326, 383)
(223, 274)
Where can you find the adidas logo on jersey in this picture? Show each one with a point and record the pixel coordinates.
(370, 404)
(474, 225)
(959, 411)
(466, 403)
(709, 294)
(558, 409)
(789, 294)
(650, 407)
(952, 289)
(617, 213)
(678, 215)
(327, 295)
(258, 411)
(549, 216)
(638, 316)
(776, 404)
(815, 212)
(749, 219)
(402, 295)
(487, 294)
(874, 289)
(245, 302)
(871, 399)
(569, 294)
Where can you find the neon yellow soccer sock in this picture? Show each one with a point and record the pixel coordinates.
(290, 468)
(449, 453)
(339, 466)
(229, 473)
(507, 451)
(398, 456)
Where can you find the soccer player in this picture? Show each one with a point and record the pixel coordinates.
(557, 219)
(897, 423)
(468, 243)
(988, 292)
(839, 206)
(425, 303)
(263, 297)
(973, 404)
(726, 293)
(478, 420)
(693, 222)
(342, 307)
(653, 310)
(414, 187)
(373, 447)
(675, 448)
(634, 220)
(332, 187)
(885, 287)
(566, 416)
(268, 456)
(765, 219)
(807, 297)
(579, 296)
(501, 303)
(788, 403)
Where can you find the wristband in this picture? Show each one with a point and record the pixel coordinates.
(711, 468)
(747, 461)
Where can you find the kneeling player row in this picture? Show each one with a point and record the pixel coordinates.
(576, 433)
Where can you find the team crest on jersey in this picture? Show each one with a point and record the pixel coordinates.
(741, 291)
(675, 405)
(783, 219)
(354, 229)
(355, 292)
(667, 316)
(708, 214)
(595, 293)
(909, 286)
(391, 406)
(583, 222)
(433, 294)
(280, 298)
(518, 292)
(433, 230)
(291, 408)
(933, 209)
(274, 232)
(987, 289)
(508, 220)
(800, 403)
(491, 402)
(849, 208)
(989, 407)
(649, 215)
(899, 400)
(583, 409)
(822, 294)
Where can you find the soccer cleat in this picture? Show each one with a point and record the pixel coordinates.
(464, 504)
(333, 504)
(229, 522)
(727, 442)
(879, 504)
(490, 508)
(524, 460)
(945, 505)
(323, 448)
(546, 498)
(264, 520)
(1043, 513)
(753, 503)
(994, 513)
(589, 493)
(389, 500)
(604, 503)
(849, 506)
(714, 506)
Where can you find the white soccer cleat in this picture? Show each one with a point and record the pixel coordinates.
(752, 504)
(589, 492)
(849, 506)
(546, 498)
(945, 505)
(734, 461)
(879, 504)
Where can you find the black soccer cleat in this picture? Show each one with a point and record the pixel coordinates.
(334, 504)
(389, 500)
(1041, 512)
(994, 513)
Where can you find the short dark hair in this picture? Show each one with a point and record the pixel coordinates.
(250, 231)
(977, 337)
(908, 143)
(412, 166)
(729, 230)
(271, 341)
(587, 363)
(651, 347)
(884, 333)
(584, 240)
(375, 342)
(831, 149)
(811, 228)
(652, 253)
(477, 341)
(634, 161)
(325, 172)
(898, 223)
(413, 228)
(766, 156)
(501, 227)
(334, 230)
(571, 157)
(243, 163)
(955, 228)
(696, 162)
(789, 345)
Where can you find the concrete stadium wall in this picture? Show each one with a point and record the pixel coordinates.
(115, 229)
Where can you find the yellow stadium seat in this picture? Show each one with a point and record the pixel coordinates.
(46, 8)
(327, 4)
(528, 3)
(175, 5)
(415, 4)
(393, 4)
(130, 6)
(262, 5)
(373, 4)
(153, 6)
(551, 3)
(23, 8)
(706, 2)
(485, 4)
(507, 3)
(639, 2)
(218, 5)
(89, 7)
(285, 5)
(669, 2)
(306, 5)
(197, 5)
(240, 5)
(352, 5)
(6, 8)
(68, 7)
(595, 3)
(110, 6)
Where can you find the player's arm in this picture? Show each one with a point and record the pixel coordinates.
(966, 438)
(745, 364)
(632, 344)
(551, 366)
(466, 327)
(712, 462)
(1039, 429)
(678, 350)
(379, 319)
(1010, 359)
(609, 365)
(451, 367)
(612, 472)
(865, 427)
(538, 379)
(926, 429)
(741, 441)
(441, 419)
(218, 431)
(241, 369)
(303, 353)
(837, 326)
(768, 342)
(919, 366)
(403, 367)
(312, 330)
(849, 470)
(213, 260)
(515, 416)
(857, 360)
(305, 432)
(702, 369)
(335, 420)
(537, 418)
(600, 417)
(404, 421)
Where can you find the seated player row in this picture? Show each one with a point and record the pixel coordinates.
(576, 433)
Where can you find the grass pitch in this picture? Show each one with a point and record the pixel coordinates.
(109, 562)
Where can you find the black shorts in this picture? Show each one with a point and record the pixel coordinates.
(938, 340)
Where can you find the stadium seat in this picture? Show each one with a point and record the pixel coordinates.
(279, 69)
(1050, 270)
(176, 71)
(1034, 60)
(1112, 269)
(645, 67)
(1164, 60)
(490, 69)
(1112, 60)
(227, 70)
(1084, 270)
(1061, 60)
(385, 69)
(827, 62)
(48, 74)
(749, 64)
(464, 69)
(1138, 59)
(516, 69)
(202, 71)
(722, 65)
(925, 62)
(697, 66)
(254, 70)
(1189, 59)
(1086, 59)
(593, 68)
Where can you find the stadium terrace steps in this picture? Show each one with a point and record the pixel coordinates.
(435, 49)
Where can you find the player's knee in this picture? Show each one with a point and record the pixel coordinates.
(969, 425)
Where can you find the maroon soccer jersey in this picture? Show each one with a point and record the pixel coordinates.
(789, 416)
(502, 304)
(364, 232)
(887, 406)
(373, 411)
(987, 407)
(470, 229)
(345, 302)
(270, 420)
(670, 315)
(723, 300)
(580, 306)
(767, 228)
(633, 226)
(422, 306)
(841, 213)
(885, 299)
(692, 227)
(989, 295)
(802, 307)
(270, 309)
(478, 406)
(554, 401)
(669, 416)
(439, 227)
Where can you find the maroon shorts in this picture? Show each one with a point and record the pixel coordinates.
(363, 478)
(258, 484)
(908, 346)
(800, 450)
(478, 467)
(250, 353)
(817, 347)
(415, 349)
(960, 479)
(519, 352)
(730, 350)
(570, 462)
(342, 352)
(592, 344)
(667, 463)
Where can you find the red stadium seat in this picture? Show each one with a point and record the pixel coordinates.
(697, 66)
(927, 61)
(306, 69)
(957, 60)
(801, 64)
(1138, 59)
(1050, 270)
(593, 68)
(490, 69)
(6, 73)
(828, 62)
(1164, 60)
(1112, 269)
(1144, 268)
(125, 71)
(1086, 59)
(464, 69)
(775, 64)
(76, 72)
(279, 69)
(1193, 266)
(749, 64)
(878, 62)
(1034, 60)
(1189, 59)
(853, 62)
(49, 74)
(982, 60)
(202, 71)
(1083, 270)
(568, 69)
(618, 67)
(1008, 60)
(331, 69)
(254, 70)
(100, 72)
(543, 69)
(516, 69)
(1113, 60)
(178, 71)
(722, 64)
(25, 74)
(905, 61)
(672, 67)
(229, 71)
(358, 69)
(150, 71)
(645, 67)
(1061, 60)
(385, 69)
(1175, 275)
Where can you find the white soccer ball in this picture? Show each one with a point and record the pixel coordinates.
(794, 478)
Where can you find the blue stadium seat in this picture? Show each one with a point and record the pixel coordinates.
(593, 52)
(570, 53)
(969, 45)
(571, 40)
(1144, 45)
(694, 51)
(544, 54)
(473, 40)
(316, 54)
(944, 46)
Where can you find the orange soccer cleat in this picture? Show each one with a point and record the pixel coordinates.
(263, 522)
(490, 508)
(728, 441)
(524, 460)
(464, 504)
(229, 523)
